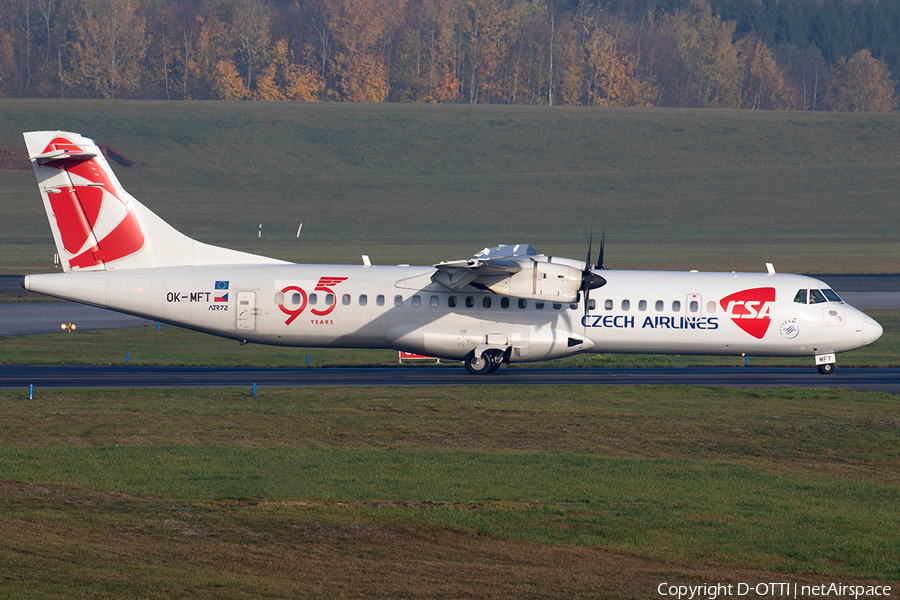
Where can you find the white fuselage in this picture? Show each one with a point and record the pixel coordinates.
(401, 308)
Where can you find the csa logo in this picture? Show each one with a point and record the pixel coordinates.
(749, 309)
(95, 225)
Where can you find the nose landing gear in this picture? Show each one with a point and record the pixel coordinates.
(826, 369)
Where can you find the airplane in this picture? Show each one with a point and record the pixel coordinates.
(506, 304)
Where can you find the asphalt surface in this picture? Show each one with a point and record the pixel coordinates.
(27, 319)
(70, 377)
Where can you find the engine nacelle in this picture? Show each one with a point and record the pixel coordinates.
(544, 281)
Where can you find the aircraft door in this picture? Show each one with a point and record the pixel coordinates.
(246, 311)
(521, 343)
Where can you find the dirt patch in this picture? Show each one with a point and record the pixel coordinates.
(14, 159)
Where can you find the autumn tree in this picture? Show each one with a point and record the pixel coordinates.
(762, 85)
(251, 27)
(107, 45)
(9, 80)
(213, 68)
(424, 59)
(282, 79)
(708, 74)
(806, 74)
(599, 71)
(226, 82)
(355, 65)
(862, 84)
(489, 28)
(184, 25)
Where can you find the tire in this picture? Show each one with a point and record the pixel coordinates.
(826, 369)
(478, 365)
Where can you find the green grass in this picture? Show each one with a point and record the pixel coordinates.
(175, 346)
(679, 189)
(452, 492)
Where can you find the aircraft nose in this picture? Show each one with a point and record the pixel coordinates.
(871, 330)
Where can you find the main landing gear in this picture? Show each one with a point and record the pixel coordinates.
(484, 363)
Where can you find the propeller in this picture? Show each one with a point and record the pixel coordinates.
(589, 279)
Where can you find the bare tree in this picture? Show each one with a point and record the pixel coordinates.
(251, 23)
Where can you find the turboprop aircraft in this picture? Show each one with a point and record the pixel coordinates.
(507, 304)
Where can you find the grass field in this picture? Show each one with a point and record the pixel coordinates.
(678, 189)
(494, 492)
(443, 493)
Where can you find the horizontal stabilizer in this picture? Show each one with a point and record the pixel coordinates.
(63, 154)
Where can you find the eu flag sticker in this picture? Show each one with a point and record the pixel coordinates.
(221, 285)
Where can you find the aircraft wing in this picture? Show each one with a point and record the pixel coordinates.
(460, 273)
(516, 271)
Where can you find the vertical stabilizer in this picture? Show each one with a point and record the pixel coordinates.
(96, 224)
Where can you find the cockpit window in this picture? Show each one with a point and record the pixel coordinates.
(816, 297)
(800, 298)
(832, 297)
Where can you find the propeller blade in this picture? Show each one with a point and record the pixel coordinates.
(589, 279)
(602, 246)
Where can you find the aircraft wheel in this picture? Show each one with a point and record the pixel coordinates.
(479, 365)
(826, 369)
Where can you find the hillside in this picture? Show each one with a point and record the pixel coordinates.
(704, 189)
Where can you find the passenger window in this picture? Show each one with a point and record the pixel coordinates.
(486, 302)
(660, 305)
(451, 301)
(816, 297)
(711, 306)
(573, 306)
(523, 303)
(642, 305)
(539, 305)
(832, 297)
(676, 306)
(434, 301)
(295, 298)
(626, 304)
(313, 298)
(363, 300)
(557, 306)
(279, 298)
(345, 299)
(800, 298)
(470, 301)
(379, 300)
(416, 301)
(504, 302)
(694, 306)
(608, 304)
(398, 300)
(329, 299)
(592, 305)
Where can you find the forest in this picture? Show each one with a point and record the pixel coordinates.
(751, 54)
